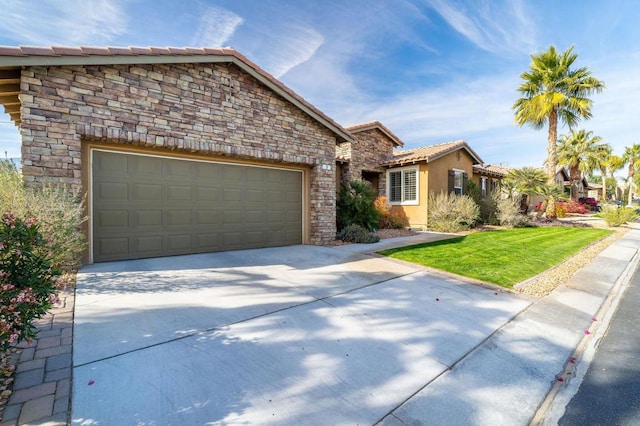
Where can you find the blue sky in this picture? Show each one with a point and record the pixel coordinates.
(430, 70)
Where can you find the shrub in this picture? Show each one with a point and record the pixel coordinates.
(60, 214)
(561, 211)
(357, 234)
(488, 205)
(509, 214)
(572, 206)
(451, 213)
(618, 215)
(355, 205)
(28, 281)
(389, 218)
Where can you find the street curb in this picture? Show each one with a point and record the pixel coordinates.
(552, 408)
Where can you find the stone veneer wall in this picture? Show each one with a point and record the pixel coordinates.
(369, 150)
(215, 109)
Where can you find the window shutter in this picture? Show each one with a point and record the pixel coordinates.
(465, 178)
(451, 181)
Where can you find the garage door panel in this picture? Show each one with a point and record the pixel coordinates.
(178, 218)
(178, 193)
(204, 172)
(204, 241)
(179, 242)
(232, 175)
(146, 192)
(152, 206)
(113, 219)
(147, 244)
(207, 217)
(256, 219)
(177, 169)
(206, 194)
(111, 164)
(232, 195)
(108, 247)
(255, 196)
(111, 191)
(148, 218)
(144, 167)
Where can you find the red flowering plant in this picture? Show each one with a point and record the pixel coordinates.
(29, 284)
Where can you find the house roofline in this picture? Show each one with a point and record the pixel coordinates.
(405, 157)
(12, 57)
(356, 128)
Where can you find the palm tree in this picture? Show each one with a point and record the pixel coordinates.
(525, 181)
(631, 157)
(582, 153)
(611, 164)
(553, 92)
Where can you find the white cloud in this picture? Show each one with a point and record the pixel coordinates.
(295, 44)
(69, 22)
(216, 27)
(495, 26)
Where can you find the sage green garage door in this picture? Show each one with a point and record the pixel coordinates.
(145, 206)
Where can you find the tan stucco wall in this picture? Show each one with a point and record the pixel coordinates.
(434, 178)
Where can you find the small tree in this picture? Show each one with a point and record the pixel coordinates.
(29, 283)
(525, 181)
(356, 205)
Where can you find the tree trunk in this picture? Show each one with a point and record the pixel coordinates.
(575, 176)
(604, 187)
(631, 173)
(552, 161)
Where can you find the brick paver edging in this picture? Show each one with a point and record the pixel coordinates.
(42, 385)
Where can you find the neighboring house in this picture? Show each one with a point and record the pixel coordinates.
(488, 177)
(364, 157)
(179, 150)
(415, 173)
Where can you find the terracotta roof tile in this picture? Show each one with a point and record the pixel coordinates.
(37, 51)
(69, 51)
(491, 170)
(90, 50)
(11, 51)
(430, 153)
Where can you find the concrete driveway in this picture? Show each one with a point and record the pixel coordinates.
(291, 335)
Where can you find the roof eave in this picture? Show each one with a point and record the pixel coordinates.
(226, 56)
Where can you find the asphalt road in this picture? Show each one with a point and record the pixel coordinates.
(610, 391)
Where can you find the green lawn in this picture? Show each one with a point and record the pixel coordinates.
(503, 257)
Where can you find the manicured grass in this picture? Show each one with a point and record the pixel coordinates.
(503, 257)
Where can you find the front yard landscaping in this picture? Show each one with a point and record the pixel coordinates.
(503, 257)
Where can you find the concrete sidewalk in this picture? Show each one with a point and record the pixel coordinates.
(507, 379)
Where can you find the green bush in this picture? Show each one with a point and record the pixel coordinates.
(488, 205)
(451, 213)
(29, 282)
(618, 215)
(509, 214)
(356, 205)
(357, 234)
(60, 213)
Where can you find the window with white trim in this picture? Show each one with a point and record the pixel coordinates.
(458, 181)
(483, 185)
(403, 186)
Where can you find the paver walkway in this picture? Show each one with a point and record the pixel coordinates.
(42, 387)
